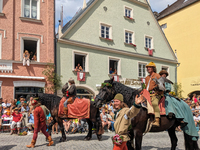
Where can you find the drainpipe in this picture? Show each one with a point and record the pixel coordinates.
(55, 42)
(177, 65)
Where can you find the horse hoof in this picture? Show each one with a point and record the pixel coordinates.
(62, 140)
(87, 138)
(99, 137)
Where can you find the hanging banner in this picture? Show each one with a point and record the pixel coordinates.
(150, 51)
(81, 76)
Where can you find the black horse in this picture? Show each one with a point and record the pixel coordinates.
(52, 103)
(139, 122)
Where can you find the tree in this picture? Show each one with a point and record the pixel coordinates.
(52, 78)
(177, 90)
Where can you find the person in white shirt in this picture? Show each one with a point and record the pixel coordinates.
(196, 118)
(5, 105)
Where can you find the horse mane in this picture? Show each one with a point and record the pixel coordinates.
(127, 92)
(49, 100)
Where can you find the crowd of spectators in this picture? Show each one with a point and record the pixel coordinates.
(107, 112)
(194, 104)
(14, 113)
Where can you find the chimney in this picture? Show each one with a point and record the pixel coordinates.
(149, 2)
(60, 30)
(61, 16)
(84, 4)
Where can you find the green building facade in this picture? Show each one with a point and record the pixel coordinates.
(117, 34)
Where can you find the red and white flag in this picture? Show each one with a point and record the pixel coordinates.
(81, 76)
(150, 51)
(116, 78)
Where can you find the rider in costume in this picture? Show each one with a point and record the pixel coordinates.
(154, 93)
(71, 95)
(123, 117)
(40, 112)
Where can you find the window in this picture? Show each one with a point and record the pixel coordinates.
(105, 31)
(27, 92)
(114, 66)
(142, 70)
(81, 61)
(148, 42)
(30, 9)
(31, 47)
(1, 6)
(128, 37)
(128, 12)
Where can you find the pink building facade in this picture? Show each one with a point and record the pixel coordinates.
(25, 25)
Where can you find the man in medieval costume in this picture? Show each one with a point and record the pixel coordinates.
(155, 94)
(68, 98)
(40, 112)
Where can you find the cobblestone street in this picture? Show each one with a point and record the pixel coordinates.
(152, 141)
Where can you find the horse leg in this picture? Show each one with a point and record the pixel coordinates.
(138, 140)
(173, 138)
(130, 143)
(50, 126)
(60, 123)
(99, 130)
(89, 135)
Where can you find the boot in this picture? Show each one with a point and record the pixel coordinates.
(50, 141)
(157, 122)
(65, 113)
(32, 145)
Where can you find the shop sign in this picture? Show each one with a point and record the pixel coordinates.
(195, 83)
(133, 83)
(6, 67)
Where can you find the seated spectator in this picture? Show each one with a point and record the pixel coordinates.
(5, 105)
(192, 107)
(109, 115)
(17, 118)
(75, 125)
(110, 72)
(29, 104)
(26, 58)
(197, 107)
(53, 128)
(196, 119)
(104, 119)
(5, 115)
(111, 106)
(66, 124)
(22, 101)
(13, 105)
(34, 57)
(24, 108)
(78, 68)
(30, 121)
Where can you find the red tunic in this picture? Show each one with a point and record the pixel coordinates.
(39, 117)
(61, 106)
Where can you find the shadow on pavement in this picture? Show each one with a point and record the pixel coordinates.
(157, 148)
(79, 138)
(7, 147)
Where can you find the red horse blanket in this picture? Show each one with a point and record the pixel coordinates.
(80, 108)
(161, 104)
(61, 106)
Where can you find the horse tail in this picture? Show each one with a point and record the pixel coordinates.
(189, 143)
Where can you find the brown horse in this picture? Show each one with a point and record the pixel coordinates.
(139, 122)
(52, 103)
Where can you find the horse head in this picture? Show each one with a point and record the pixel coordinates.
(106, 93)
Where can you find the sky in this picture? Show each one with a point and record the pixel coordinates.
(70, 7)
